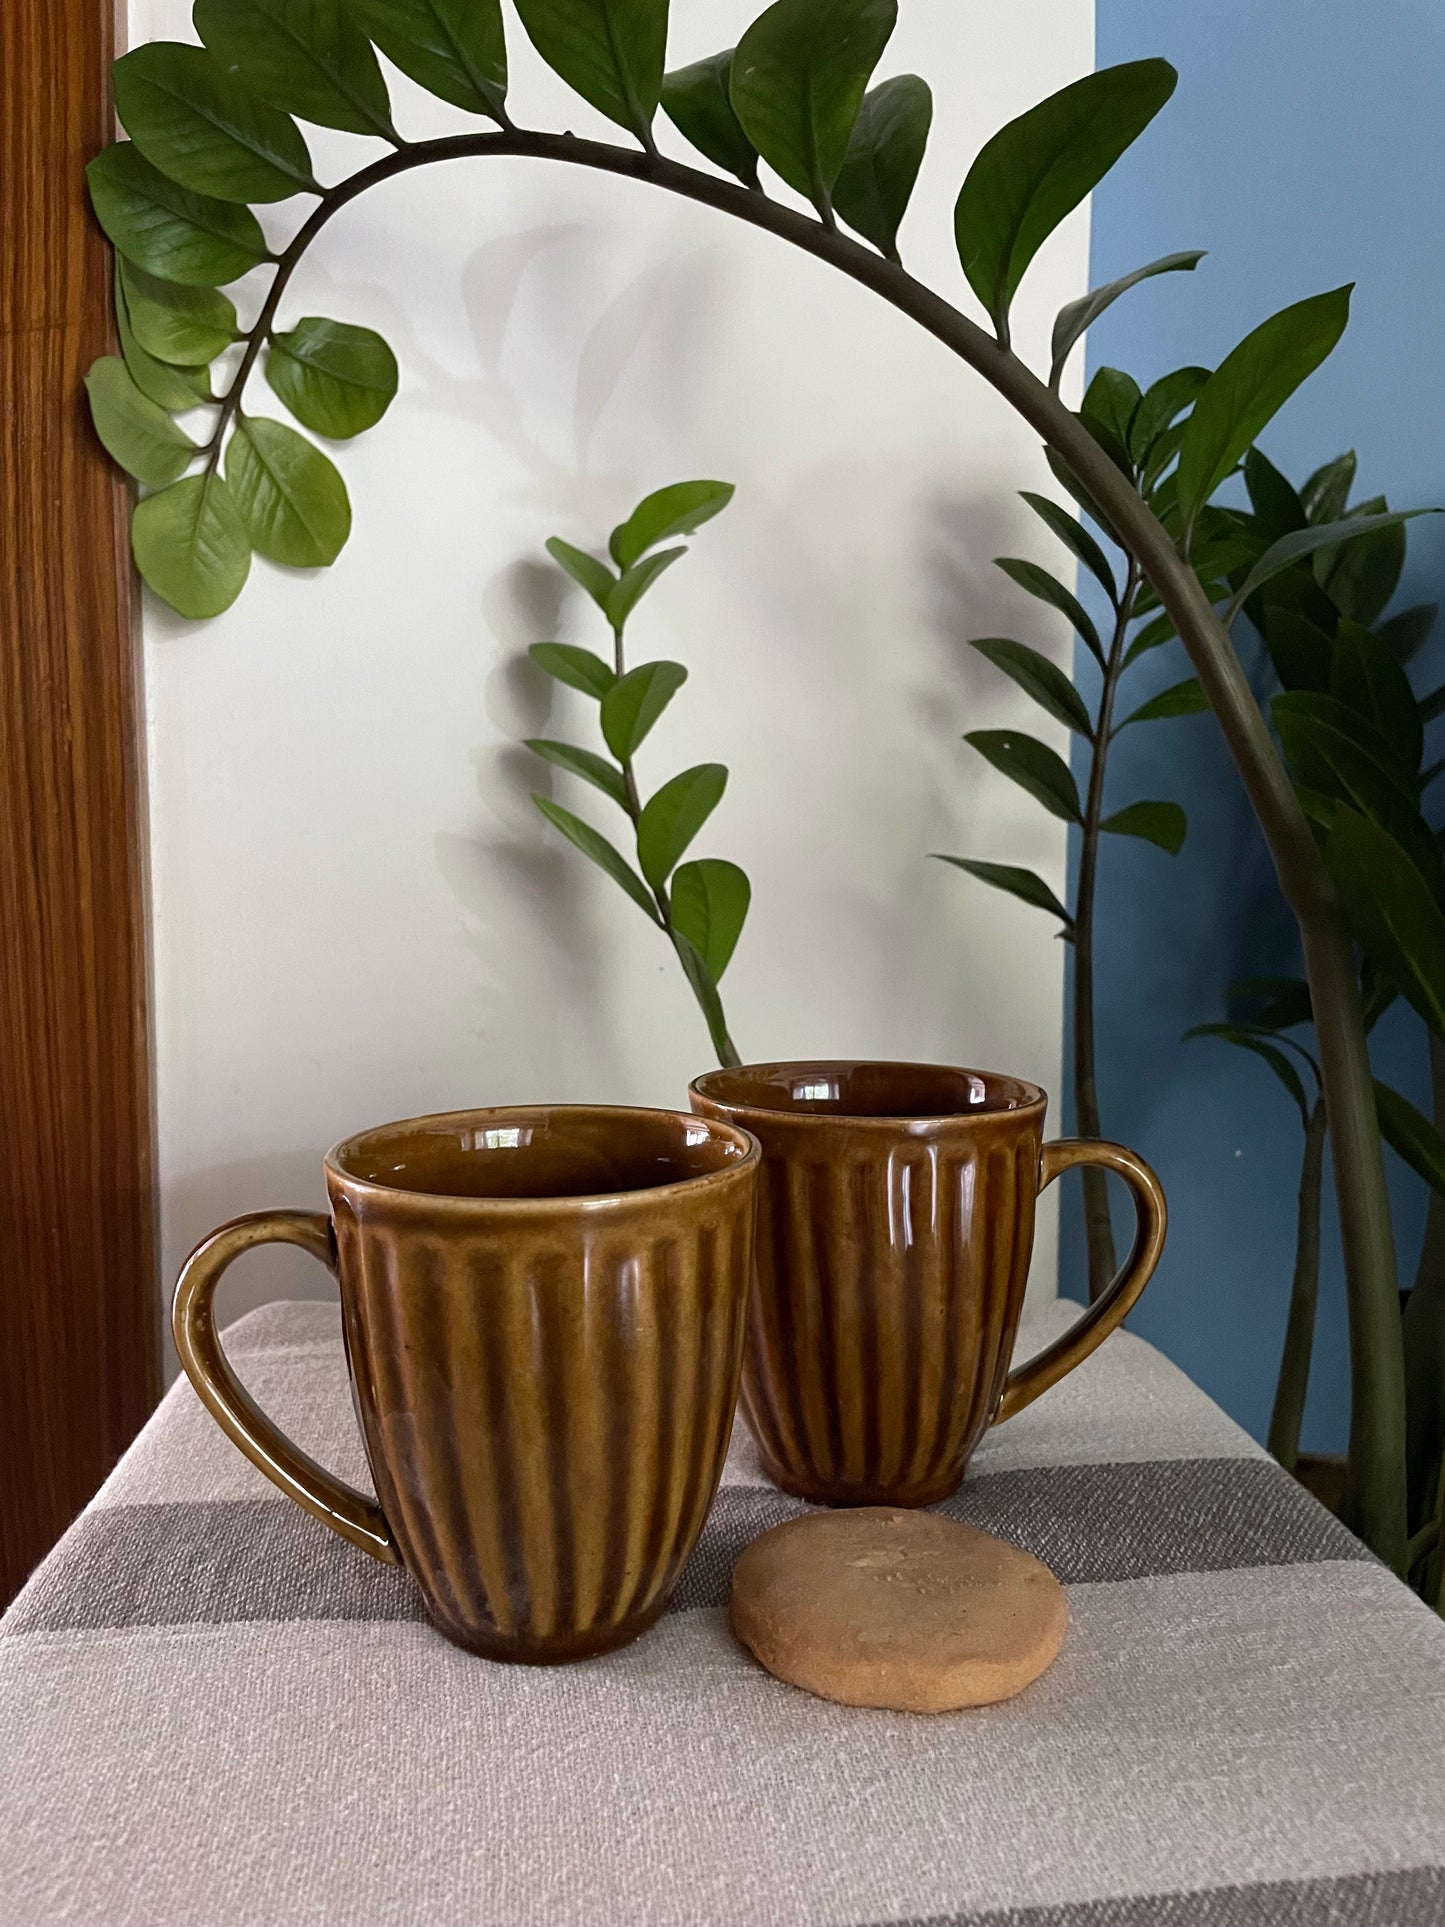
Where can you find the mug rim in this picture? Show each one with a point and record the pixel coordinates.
(593, 1200)
(1034, 1097)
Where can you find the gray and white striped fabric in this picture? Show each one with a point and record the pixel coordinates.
(212, 1711)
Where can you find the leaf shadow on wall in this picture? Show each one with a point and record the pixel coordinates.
(524, 896)
(526, 899)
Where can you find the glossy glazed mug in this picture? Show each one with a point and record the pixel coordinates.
(544, 1312)
(895, 1227)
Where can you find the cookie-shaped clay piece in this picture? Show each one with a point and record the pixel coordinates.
(909, 1610)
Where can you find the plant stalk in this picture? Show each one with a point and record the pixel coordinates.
(1299, 1336)
(1376, 1496)
(709, 1005)
(1423, 1328)
(1098, 1227)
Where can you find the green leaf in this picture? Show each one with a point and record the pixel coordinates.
(1432, 705)
(1033, 766)
(133, 430)
(578, 668)
(799, 76)
(1289, 549)
(593, 844)
(1278, 511)
(1362, 575)
(592, 768)
(710, 899)
(585, 570)
(1327, 491)
(173, 389)
(165, 228)
(698, 102)
(1248, 389)
(1048, 588)
(1110, 403)
(290, 496)
(679, 509)
(611, 52)
(189, 326)
(305, 56)
(453, 48)
(1392, 910)
(635, 582)
(885, 152)
(1279, 1002)
(673, 817)
(1072, 533)
(1295, 589)
(1072, 486)
(1299, 650)
(191, 545)
(1185, 698)
(1163, 402)
(336, 378)
(1076, 317)
(705, 990)
(634, 703)
(1407, 633)
(1040, 167)
(1411, 1135)
(198, 124)
(1160, 630)
(1022, 884)
(1338, 753)
(1367, 679)
(1039, 678)
(1161, 823)
(1279, 1063)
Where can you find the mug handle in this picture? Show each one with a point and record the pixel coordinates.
(1047, 1367)
(338, 1505)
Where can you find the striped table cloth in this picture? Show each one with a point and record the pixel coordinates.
(213, 1711)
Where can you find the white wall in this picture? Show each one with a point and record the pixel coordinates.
(357, 913)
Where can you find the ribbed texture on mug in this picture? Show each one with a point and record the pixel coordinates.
(890, 1281)
(546, 1418)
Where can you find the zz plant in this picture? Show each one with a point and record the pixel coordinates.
(701, 905)
(213, 132)
(1354, 731)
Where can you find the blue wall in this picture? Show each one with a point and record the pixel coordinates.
(1305, 147)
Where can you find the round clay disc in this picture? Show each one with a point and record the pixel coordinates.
(909, 1610)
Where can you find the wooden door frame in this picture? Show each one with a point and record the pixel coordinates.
(79, 1354)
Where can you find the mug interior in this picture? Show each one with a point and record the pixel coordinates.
(845, 1089)
(539, 1152)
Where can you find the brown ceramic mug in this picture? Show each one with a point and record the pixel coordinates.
(895, 1227)
(544, 1313)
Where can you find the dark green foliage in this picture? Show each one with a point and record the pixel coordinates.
(192, 119)
(885, 152)
(702, 904)
(307, 57)
(698, 102)
(454, 48)
(612, 52)
(798, 80)
(1036, 170)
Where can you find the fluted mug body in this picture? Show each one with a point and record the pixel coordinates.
(544, 1313)
(895, 1229)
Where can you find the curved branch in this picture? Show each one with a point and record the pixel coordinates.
(1376, 1500)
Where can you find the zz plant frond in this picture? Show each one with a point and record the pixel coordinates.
(701, 904)
(176, 200)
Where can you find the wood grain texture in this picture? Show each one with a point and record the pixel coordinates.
(78, 1338)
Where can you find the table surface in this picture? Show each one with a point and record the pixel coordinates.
(212, 1710)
